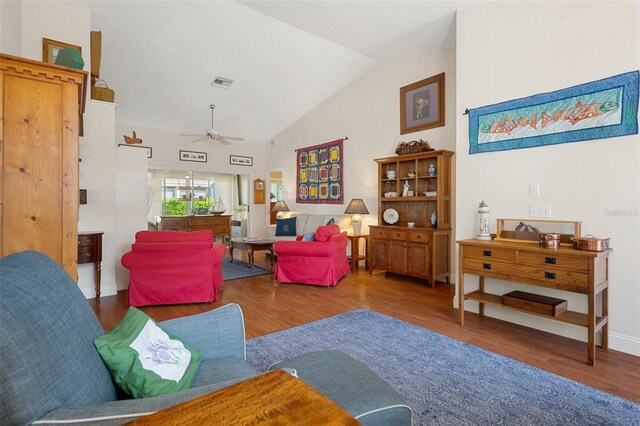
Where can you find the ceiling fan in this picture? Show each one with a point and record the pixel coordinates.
(215, 135)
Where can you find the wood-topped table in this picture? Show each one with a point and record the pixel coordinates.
(567, 269)
(251, 245)
(274, 398)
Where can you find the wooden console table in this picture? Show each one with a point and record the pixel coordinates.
(90, 251)
(220, 225)
(274, 398)
(577, 271)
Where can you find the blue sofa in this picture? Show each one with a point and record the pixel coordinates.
(51, 373)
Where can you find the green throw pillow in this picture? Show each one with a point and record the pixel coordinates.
(144, 360)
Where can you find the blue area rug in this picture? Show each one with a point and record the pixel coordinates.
(446, 381)
(239, 269)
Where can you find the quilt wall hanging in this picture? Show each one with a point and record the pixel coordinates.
(319, 177)
(601, 109)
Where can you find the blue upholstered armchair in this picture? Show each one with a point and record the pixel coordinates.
(51, 370)
(51, 373)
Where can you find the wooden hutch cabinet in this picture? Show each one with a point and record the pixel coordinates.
(40, 106)
(424, 250)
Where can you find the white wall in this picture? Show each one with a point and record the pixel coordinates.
(57, 21)
(97, 172)
(130, 204)
(11, 27)
(166, 145)
(368, 112)
(508, 50)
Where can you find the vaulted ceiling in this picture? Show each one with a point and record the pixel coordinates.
(284, 57)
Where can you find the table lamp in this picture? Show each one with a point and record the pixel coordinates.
(356, 207)
(280, 207)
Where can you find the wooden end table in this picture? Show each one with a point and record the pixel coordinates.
(274, 398)
(356, 257)
(90, 251)
(251, 245)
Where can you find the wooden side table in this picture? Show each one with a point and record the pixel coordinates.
(356, 257)
(274, 398)
(90, 251)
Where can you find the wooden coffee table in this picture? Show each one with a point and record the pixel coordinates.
(251, 245)
(274, 398)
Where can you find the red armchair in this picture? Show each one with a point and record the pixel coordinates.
(321, 262)
(172, 267)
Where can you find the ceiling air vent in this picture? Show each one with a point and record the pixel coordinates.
(221, 82)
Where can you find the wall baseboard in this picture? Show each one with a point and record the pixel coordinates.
(617, 341)
(623, 343)
(90, 293)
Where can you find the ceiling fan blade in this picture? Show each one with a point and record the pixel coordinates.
(224, 141)
(195, 136)
(233, 138)
(198, 140)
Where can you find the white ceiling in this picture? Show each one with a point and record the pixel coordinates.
(285, 57)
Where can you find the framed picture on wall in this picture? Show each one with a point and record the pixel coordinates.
(50, 49)
(240, 160)
(198, 157)
(422, 104)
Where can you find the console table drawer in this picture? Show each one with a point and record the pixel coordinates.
(557, 277)
(490, 253)
(551, 259)
(173, 224)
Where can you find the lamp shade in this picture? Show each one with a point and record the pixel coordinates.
(356, 206)
(280, 206)
(70, 58)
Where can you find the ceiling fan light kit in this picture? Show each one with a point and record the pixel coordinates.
(214, 134)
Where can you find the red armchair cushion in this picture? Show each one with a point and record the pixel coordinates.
(323, 233)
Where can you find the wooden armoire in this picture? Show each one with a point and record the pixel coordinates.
(41, 106)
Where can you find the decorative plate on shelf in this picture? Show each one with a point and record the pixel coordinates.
(390, 216)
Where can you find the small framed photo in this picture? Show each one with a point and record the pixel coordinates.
(239, 160)
(198, 157)
(148, 148)
(422, 105)
(50, 49)
(83, 196)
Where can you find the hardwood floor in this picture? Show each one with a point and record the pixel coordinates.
(269, 306)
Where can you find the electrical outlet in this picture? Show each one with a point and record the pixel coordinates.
(540, 210)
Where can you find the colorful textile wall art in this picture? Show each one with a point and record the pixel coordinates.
(601, 109)
(320, 171)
